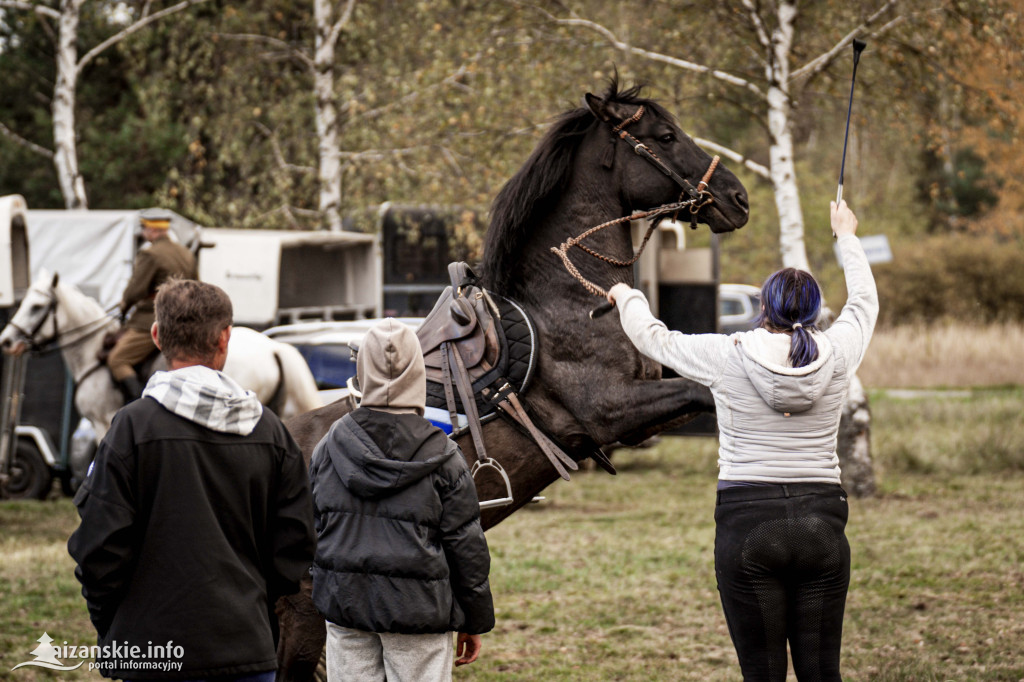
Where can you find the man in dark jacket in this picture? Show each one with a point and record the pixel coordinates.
(401, 560)
(160, 259)
(196, 514)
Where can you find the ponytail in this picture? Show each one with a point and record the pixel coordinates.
(791, 301)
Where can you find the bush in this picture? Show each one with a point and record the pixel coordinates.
(960, 277)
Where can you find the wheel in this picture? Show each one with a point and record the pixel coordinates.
(29, 477)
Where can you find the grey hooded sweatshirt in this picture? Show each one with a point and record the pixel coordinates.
(399, 548)
(777, 423)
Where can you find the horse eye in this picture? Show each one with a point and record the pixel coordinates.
(667, 138)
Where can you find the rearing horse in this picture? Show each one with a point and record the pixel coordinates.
(619, 154)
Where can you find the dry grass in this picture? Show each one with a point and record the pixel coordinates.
(946, 355)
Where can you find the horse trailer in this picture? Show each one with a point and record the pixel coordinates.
(93, 250)
(272, 277)
(280, 276)
(26, 449)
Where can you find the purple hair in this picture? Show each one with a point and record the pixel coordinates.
(791, 300)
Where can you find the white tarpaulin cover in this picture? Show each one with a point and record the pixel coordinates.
(14, 274)
(93, 250)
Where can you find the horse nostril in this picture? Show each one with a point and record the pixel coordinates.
(740, 199)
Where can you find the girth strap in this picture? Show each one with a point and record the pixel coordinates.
(514, 409)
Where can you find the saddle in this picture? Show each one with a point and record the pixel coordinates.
(465, 352)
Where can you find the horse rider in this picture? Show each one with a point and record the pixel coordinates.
(155, 262)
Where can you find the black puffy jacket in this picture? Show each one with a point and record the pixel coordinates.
(400, 548)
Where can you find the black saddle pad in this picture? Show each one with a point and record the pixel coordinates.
(515, 365)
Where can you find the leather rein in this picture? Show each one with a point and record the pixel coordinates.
(698, 197)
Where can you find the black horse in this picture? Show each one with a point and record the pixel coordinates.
(591, 386)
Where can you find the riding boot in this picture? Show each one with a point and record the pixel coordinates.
(131, 388)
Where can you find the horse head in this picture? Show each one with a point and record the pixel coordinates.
(615, 156)
(653, 162)
(35, 321)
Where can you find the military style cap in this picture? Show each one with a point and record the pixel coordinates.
(155, 220)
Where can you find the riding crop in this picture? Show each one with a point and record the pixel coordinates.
(858, 47)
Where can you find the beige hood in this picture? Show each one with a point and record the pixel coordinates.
(389, 367)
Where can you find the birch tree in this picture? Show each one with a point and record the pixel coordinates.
(328, 29)
(69, 67)
(374, 96)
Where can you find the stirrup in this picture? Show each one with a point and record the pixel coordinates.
(493, 464)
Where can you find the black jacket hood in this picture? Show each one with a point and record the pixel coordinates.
(380, 455)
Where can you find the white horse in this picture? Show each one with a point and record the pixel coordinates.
(60, 315)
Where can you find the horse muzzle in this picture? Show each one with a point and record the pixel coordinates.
(726, 213)
(12, 347)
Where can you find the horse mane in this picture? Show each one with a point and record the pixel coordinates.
(77, 300)
(538, 185)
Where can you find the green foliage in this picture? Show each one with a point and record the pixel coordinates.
(211, 110)
(964, 278)
(961, 189)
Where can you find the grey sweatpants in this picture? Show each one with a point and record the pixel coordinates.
(357, 656)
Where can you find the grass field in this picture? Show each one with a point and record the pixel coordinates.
(611, 578)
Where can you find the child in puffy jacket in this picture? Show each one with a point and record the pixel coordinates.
(401, 560)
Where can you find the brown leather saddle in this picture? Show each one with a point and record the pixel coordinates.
(463, 343)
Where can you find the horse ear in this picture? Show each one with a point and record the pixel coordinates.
(598, 107)
(56, 277)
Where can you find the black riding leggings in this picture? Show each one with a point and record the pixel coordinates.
(783, 567)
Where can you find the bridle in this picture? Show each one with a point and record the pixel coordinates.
(53, 342)
(699, 197)
(30, 334)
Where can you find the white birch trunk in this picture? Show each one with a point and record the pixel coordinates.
(854, 444)
(65, 156)
(780, 128)
(327, 116)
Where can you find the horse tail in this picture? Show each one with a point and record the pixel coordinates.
(297, 391)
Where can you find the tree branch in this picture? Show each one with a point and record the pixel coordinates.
(382, 154)
(656, 56)
(278, 154)
(133, 28)
(289, 212)
(763, 38)
(823, 61)
(31, 7)
(21, 141)
(339, 25)
(452, 79)
(306, 60)
(735, 156)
